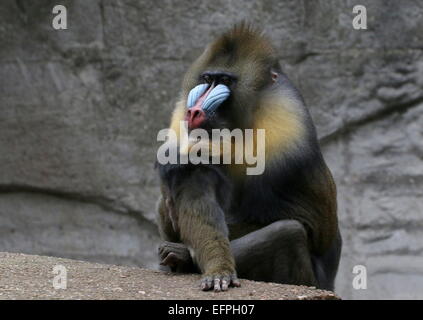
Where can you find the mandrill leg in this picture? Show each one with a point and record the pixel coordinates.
(275, 253)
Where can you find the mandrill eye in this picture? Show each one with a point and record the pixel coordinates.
(207, 79)
(227, 81)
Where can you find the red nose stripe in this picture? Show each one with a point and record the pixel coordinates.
(200, 100)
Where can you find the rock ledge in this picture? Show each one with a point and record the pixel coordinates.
(25, 276)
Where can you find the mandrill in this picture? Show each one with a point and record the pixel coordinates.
(214, 218)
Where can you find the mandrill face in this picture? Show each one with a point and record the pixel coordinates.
(205, 99)
(228, 80)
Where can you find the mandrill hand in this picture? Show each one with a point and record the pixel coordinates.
(219, 282)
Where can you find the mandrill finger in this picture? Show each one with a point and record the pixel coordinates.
(170, 260)
(217, 287)
(225, 283)
(163, 250)
(235, 281)
(206, 283)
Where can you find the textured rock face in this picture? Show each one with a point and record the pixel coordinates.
(80, 110)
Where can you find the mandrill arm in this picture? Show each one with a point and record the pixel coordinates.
(199, 197)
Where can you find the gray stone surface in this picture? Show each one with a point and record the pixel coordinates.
(80, 110)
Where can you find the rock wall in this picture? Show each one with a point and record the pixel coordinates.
(80, 110)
